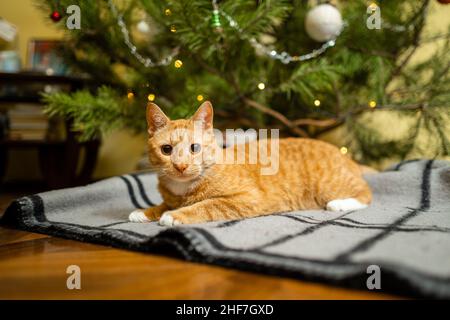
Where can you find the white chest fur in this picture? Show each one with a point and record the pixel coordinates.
(178, 188)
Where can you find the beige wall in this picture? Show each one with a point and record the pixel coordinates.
(120, 150)
(29, 21)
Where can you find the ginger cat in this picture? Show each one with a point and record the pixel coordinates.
(196, 188)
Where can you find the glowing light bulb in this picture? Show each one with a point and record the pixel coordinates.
(373, 6)
(151, 97)
(178, 63)
(261, 86)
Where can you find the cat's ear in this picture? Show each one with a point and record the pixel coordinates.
(204, 114)
(156, 119)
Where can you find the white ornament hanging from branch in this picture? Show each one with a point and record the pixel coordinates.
(143, 26)
(324, 23)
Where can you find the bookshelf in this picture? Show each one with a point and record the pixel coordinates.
(63, 162)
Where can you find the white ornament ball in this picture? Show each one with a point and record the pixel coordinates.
(143, 27)
(323, 22)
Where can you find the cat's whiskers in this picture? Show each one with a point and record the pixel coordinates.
(199, 185)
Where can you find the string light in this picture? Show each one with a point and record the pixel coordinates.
(317, 103)
(283, 56)
(344, 150)
(373, 6)
(146, 61)
(261, 86)
(286, 58)
(372, 104)
(178, 64)
(130, 95)
(151, 97)
(200, 97)
(173, 28)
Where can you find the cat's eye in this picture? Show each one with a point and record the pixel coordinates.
(166, 149)
(195, 148)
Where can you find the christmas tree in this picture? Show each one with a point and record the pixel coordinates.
(306, 67)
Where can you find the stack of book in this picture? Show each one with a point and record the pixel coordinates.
(27, 122)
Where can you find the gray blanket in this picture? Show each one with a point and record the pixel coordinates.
(405, 232)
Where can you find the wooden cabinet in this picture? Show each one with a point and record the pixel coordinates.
(63, 163)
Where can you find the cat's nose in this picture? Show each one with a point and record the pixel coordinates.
(180, 167)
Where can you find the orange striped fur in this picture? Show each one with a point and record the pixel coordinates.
(311, 175)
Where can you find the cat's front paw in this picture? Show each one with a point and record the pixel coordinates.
(138, 216)
(168, 219)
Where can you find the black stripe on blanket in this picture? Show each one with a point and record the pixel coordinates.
(189, 243)
(304, 232)
(353, 274)
(131, 193)
(142, 190)
(357, 225)
(198, 244)
(424, 206)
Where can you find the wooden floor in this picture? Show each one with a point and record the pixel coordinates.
(33, 266)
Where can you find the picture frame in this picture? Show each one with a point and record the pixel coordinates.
(43, 57)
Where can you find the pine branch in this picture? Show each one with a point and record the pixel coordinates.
(289, 124)
(415, 42)
(224, 67)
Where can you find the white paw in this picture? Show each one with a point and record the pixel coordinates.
(345, 205)
(167, 220)
(138, 216)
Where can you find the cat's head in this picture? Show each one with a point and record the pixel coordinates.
(181, 149)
